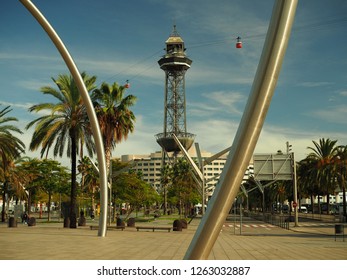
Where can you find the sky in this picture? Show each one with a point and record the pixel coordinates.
(123, 40)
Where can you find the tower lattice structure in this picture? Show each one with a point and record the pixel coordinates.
(175, 63)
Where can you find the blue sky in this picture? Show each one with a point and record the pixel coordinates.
(120, 40)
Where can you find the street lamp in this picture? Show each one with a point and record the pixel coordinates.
(295, 187)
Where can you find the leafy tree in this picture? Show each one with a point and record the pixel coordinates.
(28, 167)
(165, 182)
(66, 123)
(11, 148)
(183, 191)
(89, 180)
(134, 191)
(51, 176)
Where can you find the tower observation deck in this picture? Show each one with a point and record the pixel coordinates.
(175, 63)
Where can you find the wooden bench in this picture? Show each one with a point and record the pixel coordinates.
(109, 227)
(154, 228)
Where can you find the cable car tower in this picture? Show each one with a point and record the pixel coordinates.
(174, 63)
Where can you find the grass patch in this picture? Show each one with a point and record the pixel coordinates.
(48, 222)
(144, 219)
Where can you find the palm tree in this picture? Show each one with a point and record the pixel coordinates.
(89, 180)
(341, 170)
(10, 148)
(66, 122)
(307, 178)
(116, 119)
(323, 155)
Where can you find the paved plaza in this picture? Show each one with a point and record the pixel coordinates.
(251, 240)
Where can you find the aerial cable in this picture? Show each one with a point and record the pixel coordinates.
(318, 25)
(124, 71)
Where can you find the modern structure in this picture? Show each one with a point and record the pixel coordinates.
(150, 166)
(174, 63)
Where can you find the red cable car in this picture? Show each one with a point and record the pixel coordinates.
(238, 43)
(127, 85)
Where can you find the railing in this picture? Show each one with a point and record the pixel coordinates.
(277, 220)
(178, 134)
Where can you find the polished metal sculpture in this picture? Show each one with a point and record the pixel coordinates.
(89, 107)
(249, 130)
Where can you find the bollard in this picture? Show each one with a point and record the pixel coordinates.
(184, 223)
(12, 222)
(177, 225)
(339, 230)
(32, 222)
(131, 222)
(82, 221)
(66, 222)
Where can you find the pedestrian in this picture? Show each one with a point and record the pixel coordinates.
(92, 215)
(25, 218)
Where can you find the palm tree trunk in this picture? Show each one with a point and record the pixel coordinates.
(344, 203)
(3, 212)
(328, 201)
(49, 206)
(73, 197)
(108, 154)
(3, 206)
(312, 203)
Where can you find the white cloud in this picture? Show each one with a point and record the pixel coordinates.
(25, 106)
(333, 114)
(315, 84)
(28, 57)
(142, 140)
(228, 102)
(343, 92)
(202, 73)
(33, 85)
(213, 135)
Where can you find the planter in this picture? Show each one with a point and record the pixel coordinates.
(32, 222)
(12, 222)
(177, 225)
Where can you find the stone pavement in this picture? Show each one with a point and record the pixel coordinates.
(254, 241)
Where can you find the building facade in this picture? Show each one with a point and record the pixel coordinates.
(150, 166)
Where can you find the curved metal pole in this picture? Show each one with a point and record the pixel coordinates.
(248, 132)
(89, 106)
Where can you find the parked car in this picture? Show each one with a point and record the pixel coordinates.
(285, 208)
(303, 209)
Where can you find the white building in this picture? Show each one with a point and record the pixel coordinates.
(333, 199)
(150, 167)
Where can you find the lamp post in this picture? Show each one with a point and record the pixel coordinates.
(295, 186)
(296, 217)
